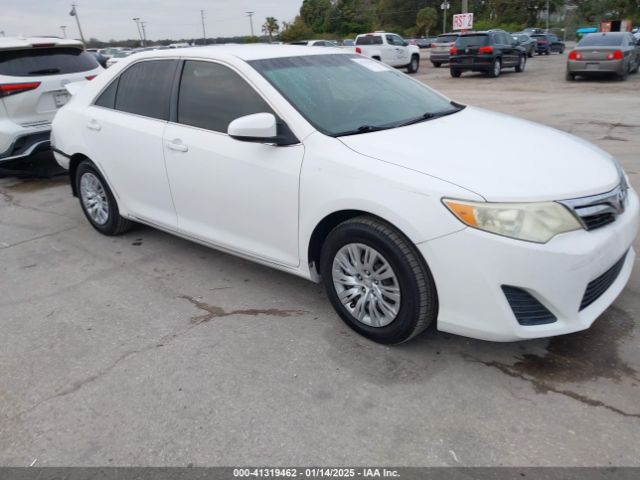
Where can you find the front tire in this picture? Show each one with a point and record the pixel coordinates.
(455, 73)
(97, 202)
(414, 64)
(377, 280)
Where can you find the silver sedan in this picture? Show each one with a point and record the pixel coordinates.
(604, 52)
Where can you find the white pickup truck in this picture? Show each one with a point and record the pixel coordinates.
(389, 48)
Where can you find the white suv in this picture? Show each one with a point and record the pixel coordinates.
(33, 74)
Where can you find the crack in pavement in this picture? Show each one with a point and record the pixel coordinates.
(4, 246)
(218, 312)
(212, 312)
(543, 387)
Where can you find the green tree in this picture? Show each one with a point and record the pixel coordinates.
(270, 27)
(297, 30)
(314, 13)
(426, 19)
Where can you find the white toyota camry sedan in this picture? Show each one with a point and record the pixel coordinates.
(406, 205)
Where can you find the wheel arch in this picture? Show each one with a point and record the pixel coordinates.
(326, 225)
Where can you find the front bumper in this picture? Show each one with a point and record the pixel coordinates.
(588, 67)
(470, 267)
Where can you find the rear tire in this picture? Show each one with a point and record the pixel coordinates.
(530, 54)
(548, 52)
(522, 62)
(97, 202)
(570, 77)
(362, 251)
(455, 73)
(495, 68)
(622, 77)
(437, 64)
(414, 65)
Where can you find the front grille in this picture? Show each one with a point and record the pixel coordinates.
(592, 222)
(527, 310)
(601, 284)
(597, 211)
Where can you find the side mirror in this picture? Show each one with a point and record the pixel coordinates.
(261, 128)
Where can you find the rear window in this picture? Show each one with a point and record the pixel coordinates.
(472, 41)
(446, 39)
(45, 61)
(600, 40)
(369, 40)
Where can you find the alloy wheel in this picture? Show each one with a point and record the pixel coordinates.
(94, 198)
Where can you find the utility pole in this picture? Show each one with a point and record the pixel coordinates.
(204, 34)
(64, 30)
(137, 20)
(250, 14)
(74, 13)
(465, 6)
(144, 34)
(547, 15)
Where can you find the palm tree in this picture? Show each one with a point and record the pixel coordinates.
(270, 27)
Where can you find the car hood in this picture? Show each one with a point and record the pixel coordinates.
(498, 157)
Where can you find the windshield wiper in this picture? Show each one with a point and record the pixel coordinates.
(430, 116)
(363, 129)
(44, 71)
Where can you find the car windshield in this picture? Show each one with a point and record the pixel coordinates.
(341, 94)
(600, 40)
(472, 41)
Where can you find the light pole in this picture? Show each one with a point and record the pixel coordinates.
(204, 35)
(137, 20)
(547, 15)
(64, 30)
(144, 33)
(444, 6)
(74, 13)
(250, 14)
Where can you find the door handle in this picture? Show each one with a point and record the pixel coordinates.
(177, 146)
(94, 125)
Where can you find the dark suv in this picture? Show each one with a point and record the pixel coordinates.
(488, 52)
(547, 43)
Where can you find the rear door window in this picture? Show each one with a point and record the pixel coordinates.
(145, 88)
(212, 96)
(45, 61)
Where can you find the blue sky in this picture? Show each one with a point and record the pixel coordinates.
(107, 19)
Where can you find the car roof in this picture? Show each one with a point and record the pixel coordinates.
(15, 43)
(242, 52)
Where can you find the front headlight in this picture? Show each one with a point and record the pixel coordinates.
(533, 222)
